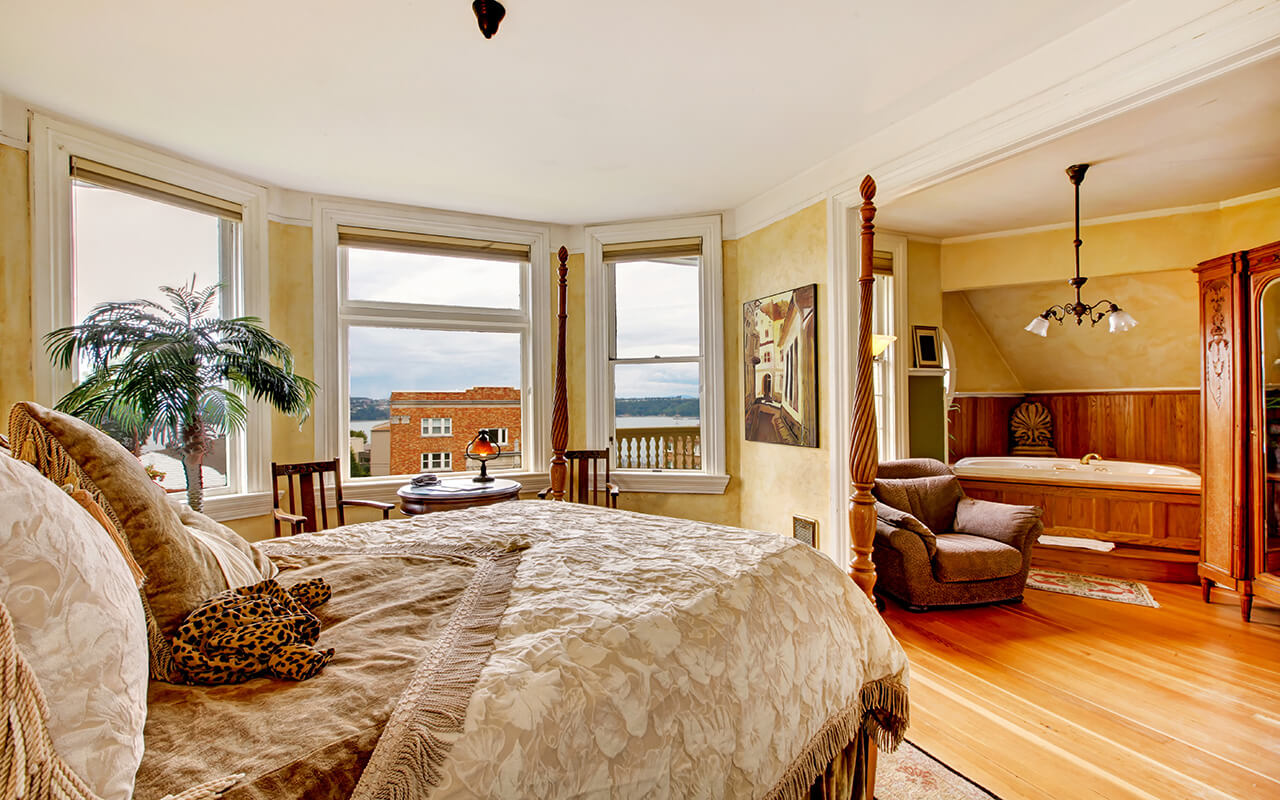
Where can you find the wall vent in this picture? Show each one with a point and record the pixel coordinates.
(805, 529)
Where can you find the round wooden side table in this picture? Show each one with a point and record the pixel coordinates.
(451, 493)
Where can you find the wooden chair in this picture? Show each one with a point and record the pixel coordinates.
(310, 482)
(584, 484)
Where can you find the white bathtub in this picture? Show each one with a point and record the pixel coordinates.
(1069, 470)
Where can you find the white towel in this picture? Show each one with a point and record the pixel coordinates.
(1078, 541)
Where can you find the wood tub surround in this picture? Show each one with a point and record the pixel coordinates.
(1156, 531)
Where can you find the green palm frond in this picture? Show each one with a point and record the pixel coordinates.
(162, 369)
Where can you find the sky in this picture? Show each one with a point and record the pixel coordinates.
(126, 247)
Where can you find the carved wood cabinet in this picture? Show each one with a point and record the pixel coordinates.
(1240, 424)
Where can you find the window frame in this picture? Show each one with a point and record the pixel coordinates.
(712, 478)
(502, 438)
(446, 427)
(446, 460)
(335, 314)
(54, 142)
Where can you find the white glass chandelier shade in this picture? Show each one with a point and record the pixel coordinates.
(1120, 320)
(1039, 326)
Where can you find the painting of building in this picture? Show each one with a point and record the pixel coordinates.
(429, 431)
(780, 368)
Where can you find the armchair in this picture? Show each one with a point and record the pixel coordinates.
(936, 547)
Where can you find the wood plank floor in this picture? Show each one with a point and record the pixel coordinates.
(1062, 698)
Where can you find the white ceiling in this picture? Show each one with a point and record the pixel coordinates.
(1215, 141)
(577, 111)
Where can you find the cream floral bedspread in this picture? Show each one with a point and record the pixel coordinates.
(645, 656)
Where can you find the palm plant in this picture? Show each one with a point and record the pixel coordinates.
(177, 374)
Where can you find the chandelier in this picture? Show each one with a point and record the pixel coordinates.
(1120, 320)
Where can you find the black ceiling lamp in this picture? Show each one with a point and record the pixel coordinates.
(489, 14)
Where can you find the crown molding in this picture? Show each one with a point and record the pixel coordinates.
(13, 122)
(289, 207)
(1104, 68)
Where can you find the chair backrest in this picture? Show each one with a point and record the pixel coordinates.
(309, 477)
(912, 468)
(586, 484)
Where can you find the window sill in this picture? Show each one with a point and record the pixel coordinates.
(670, 482)
(235, 506)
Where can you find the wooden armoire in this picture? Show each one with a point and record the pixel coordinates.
(1240, 423)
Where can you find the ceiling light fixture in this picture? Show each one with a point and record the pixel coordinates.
(489, 14)
(1120, 319)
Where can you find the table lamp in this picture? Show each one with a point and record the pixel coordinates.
(482, 450)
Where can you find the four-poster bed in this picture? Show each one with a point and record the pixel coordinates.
(529, 649)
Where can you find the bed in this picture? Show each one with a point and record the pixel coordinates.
(527, 649)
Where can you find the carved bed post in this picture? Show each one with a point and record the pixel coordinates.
(560, 405)
(863, 447)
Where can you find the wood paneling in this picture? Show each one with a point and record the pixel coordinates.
(1062, 698)
(1150, 427)
(1157, 533)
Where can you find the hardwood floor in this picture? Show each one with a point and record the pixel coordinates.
(1062, 698)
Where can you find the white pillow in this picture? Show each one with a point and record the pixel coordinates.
(79, 623)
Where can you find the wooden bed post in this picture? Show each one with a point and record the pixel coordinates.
(863, 447)
(560, 405)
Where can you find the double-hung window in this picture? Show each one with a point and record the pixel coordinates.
(438, 462)
(654, 353)
(433, 325)
(437, 426)
(115, 223)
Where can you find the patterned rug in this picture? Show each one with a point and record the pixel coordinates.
(1120, 590)
(913, 774)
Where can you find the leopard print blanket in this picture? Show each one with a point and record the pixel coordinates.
(253, 630)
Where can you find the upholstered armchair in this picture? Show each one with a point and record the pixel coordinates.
(936, 547)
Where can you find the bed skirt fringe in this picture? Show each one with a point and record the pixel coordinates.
(881, 711)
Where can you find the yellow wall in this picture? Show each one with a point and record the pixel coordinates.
(1143, 265)
(16, 380)
(778, 480)
(1161, 352)
(979, 364)
(1178, 241)
(924, 283)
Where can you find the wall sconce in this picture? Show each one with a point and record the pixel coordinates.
(879, 343)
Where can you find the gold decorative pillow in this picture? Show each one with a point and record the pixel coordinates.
(181, 571)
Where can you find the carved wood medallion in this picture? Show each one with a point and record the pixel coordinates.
(1217, 357)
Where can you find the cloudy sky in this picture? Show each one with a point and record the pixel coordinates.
(126, 247)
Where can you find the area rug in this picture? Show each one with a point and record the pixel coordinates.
(912, 774)
(1119, 590)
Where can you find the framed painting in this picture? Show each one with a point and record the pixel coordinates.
(780, 367)
(927, 350)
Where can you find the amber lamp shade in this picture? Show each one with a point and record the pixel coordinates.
(482, 450)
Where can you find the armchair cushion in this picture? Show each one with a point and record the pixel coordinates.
(964, 557)
(932, 500)
(1006, 523)
(898, 518)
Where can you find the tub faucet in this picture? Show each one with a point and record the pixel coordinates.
(1090, 457)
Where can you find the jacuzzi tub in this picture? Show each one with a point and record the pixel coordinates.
(1069, 470)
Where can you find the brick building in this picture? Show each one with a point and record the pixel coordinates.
(429, 431)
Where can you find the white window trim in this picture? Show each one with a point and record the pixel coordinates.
(447, 423)
(446, 461)
(712, 478)
(503, 436)
(331, 348)
(53, 143)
